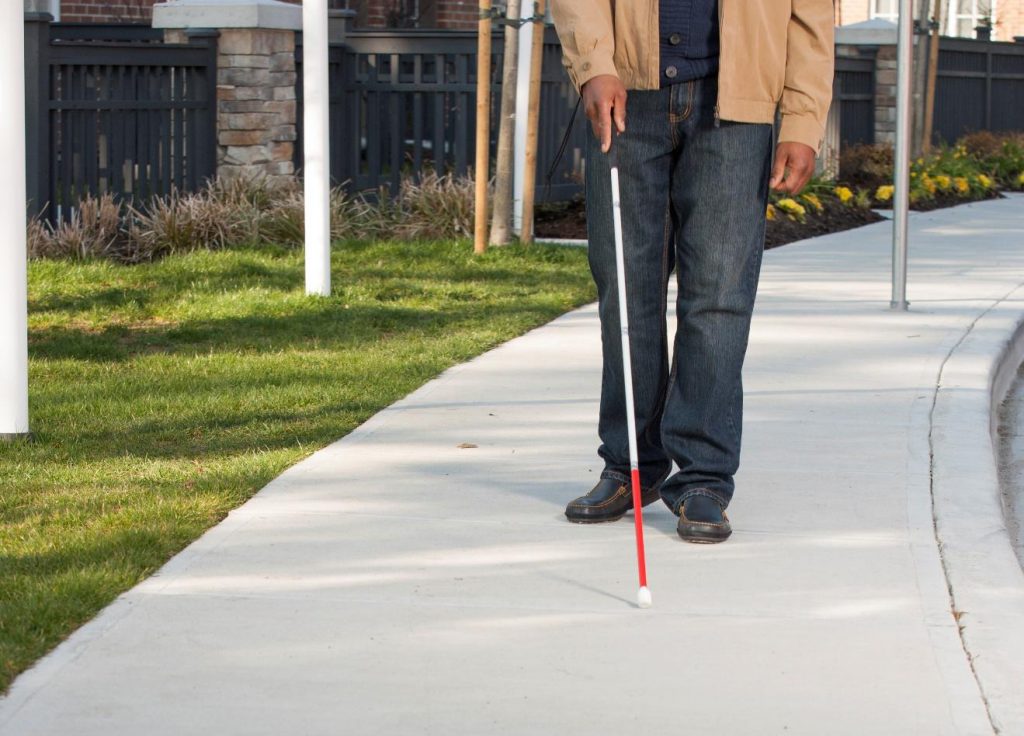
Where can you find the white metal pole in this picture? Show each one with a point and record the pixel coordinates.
(522, 109)
(13, 246)
(316, 147)
(901, 162)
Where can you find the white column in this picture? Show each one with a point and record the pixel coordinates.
(522, 106)
(316, 146)
(901, 162)
(13, 247)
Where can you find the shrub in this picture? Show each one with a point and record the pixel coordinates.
(999, 154)
(866, 165)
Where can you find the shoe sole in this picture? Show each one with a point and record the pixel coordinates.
(698, 535)
(591, 520)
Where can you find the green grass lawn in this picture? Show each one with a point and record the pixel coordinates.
(164, 395)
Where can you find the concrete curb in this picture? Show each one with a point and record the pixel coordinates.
(985, 579)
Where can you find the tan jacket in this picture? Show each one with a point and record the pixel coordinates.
(771, 52)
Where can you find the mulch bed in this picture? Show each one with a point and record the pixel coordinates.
(569, 220)
(946, 199)
(833, 218)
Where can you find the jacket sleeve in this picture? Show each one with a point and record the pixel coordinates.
(586, 30)
(810, 68)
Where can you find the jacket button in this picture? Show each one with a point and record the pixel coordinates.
(671, 72)
(586, 65)
(674, 39)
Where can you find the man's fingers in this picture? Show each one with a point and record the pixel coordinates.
(595, 119)
(620, 111)
(793, 167)
(798, 177)
(778, 170)
(605, 123)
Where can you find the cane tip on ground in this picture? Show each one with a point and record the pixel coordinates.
(643, 597)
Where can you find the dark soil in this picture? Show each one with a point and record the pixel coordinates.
(561, 220)
(569, 220)
(832, 219)
(946, 199)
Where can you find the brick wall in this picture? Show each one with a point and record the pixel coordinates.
(106, 11)
(1009, 19)
(458, 14)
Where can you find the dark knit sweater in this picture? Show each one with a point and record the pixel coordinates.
(688, 31)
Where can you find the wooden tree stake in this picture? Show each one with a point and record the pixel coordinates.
(483, 127)
(530, 167)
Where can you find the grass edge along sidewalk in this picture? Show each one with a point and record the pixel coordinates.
(165, 394)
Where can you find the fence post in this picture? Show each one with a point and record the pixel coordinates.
(988, 88)
(37, 110)
(208, 142)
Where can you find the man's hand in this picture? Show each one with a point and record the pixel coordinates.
(794, 166)
(604, 98)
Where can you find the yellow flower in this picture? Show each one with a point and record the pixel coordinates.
(961, 184)
(884, 193)
(1020, 179)
(844, 194)
(928, 183)
(984, 181)
(812, 199)
(943, 181)
(770, 212)
(791, 207)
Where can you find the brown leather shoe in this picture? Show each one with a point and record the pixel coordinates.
(609, 500)
(703, 520)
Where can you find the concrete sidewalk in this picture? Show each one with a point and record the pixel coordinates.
(399, 583)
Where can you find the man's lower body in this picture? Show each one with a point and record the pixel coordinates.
(693, 198)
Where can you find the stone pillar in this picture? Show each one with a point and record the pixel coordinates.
(875, 38)
(885, 95)
(256, 78)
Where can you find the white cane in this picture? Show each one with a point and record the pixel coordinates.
(643, 597)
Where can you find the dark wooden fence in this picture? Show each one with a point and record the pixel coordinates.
(855, 95)
(979, 86)
(405, 100)
(114, 109)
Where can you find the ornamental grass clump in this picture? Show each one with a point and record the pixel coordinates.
(92, 231)
(435, 207)
(241, 211)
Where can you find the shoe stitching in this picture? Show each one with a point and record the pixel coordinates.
(618, 492)
(702, 492)
(607, 501)
(717, 524)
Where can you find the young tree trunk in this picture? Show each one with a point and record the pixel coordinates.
(939, 13)
(501, 221)
(920, 79)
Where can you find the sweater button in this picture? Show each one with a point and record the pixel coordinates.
(671, 72)
(674, 39)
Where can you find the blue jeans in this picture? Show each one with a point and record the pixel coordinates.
(693, 197)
